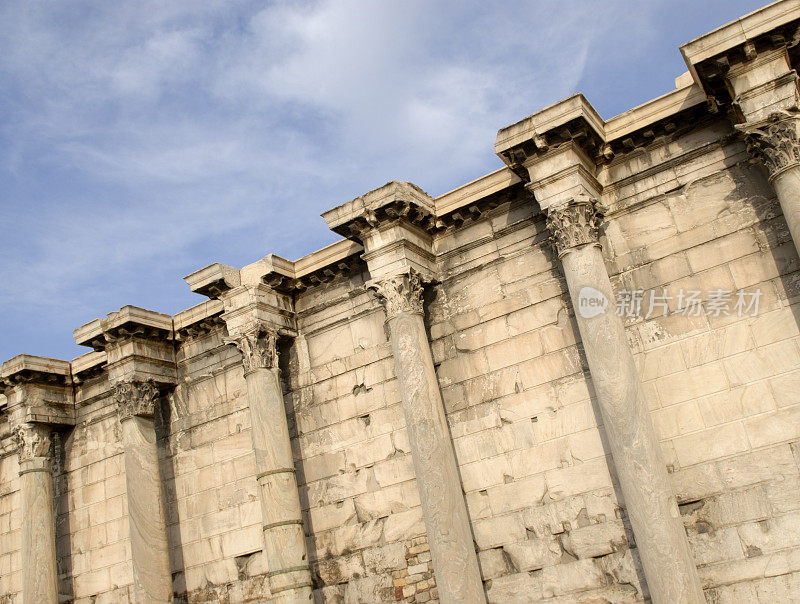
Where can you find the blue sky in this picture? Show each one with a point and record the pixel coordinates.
(142, 140)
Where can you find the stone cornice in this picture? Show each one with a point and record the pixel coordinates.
(571, 121)
(213, 280)
(38, 389)
(26, 368)
(338, 260)
(128, 322)
(731, 38)
(139, 344)
(394, 201)
(741, 45)
(198, 320)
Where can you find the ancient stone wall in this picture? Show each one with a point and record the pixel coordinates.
(487, 396)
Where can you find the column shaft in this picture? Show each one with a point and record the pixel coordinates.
(39, 573)
(148, 528)
(284, 538)
(651, 507)
(280, 501)
(152, 577)
(787, 189)
(447, 523)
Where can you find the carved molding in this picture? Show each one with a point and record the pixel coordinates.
(135, 398)
(33, 440)
(259, 347)
(574, 224)
(400, 293)
(775, 141)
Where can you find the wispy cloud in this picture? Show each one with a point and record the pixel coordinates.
(141, 140)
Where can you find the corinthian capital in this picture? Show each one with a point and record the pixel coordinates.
(33, 441)
(259, 347)
(399, 294)
(775, 141)
(574, 224)
(135, 398)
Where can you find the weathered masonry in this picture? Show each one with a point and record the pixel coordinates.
(575, 379)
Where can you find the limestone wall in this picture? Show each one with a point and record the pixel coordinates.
(688, 211)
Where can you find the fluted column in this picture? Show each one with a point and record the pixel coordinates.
(446, 521)
(284, 539)
(651, 506)
(39, 574)
(775, 142)
(152, 578)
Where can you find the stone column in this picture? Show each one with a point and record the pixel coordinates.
(651, 506)
(39, 574)
(446, 521)
(152, 578)
(284, 539)
(775, 142)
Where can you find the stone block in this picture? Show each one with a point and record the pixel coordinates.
(517, 588)
(380, 560)
(320, 466)
(354, 537)
(499, 530)
(681, 418)
(785, 389)
(393, 471)
(341, 486)
(517, 495)
(509, 352)
(775, 462)
(389, 500)
(367, 452)
(404, 525)
(570, 577)
(549, 367)
(769, 535)
(494, 563)
(533, 554)
(774, 427)
(762, 362)
(715, 546)
(330, 516)
(711, 443)
(693, 383)
(242, 541)
(341, 569)
(736, 403)
(696, 482)
(560, 421)
(579, 478)
(594, 540)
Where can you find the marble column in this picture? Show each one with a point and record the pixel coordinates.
(651, 506)
(152, 577)
(39, 574)
(775, 142)
(284, 539)
(447, 524)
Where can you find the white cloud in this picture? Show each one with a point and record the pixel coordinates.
(136, 132)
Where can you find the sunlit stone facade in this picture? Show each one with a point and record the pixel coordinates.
(575, 379)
